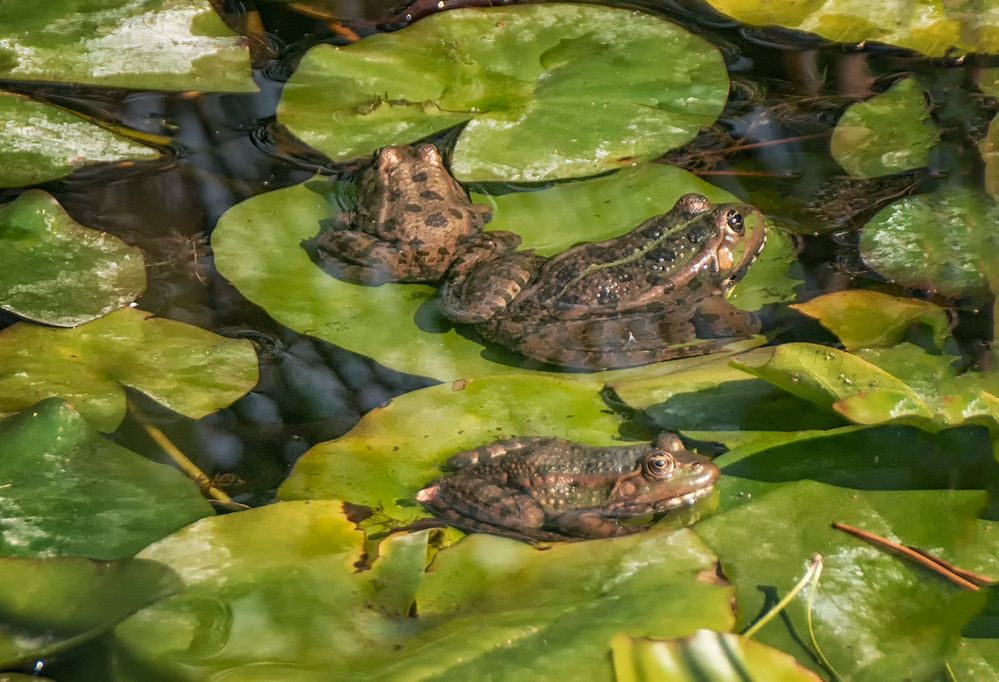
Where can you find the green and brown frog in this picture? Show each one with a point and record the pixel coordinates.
(653, 294)
(543, 489)
(411, 221)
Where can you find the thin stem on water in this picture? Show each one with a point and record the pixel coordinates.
(813, 567)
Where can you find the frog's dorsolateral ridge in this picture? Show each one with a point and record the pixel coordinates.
(544, 489)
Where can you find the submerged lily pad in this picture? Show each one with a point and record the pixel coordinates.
(54, 270)
(517, 75)
(278, 596)
(395, 450)
(929, 26)
(147, 45)
(257, 246)
(186, 369)
(944, 241)
(39, 142)
(68, 490)
(888, 133)
(53, 604)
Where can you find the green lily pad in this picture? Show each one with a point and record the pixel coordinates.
(277, 596)
(53, 604)
(875, 616)
(704, 656)
(516, 75)
(39, 142)
(257, 246)
(928, 26)
(184, 368)
(945, 241)
(888, 133)
(68, 490)
(56, 271)
(870, 319)
(394, 451)
(147, 45)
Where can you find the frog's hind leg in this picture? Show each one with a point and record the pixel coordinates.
(482, 506)
(589, 523)
(365, 259)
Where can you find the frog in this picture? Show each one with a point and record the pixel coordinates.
(411, 220)
(655, 293)
(544, 489)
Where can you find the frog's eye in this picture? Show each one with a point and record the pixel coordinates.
(734, 219)
(659, 465)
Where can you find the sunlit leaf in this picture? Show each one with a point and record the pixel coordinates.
(53, 604)
(54, 270)
(68, 490)
(275, 593)
(516, 75)
(863, 319)
(186, 369)
(928, 26)
(888, 133)
(39, 142)
(142, 44)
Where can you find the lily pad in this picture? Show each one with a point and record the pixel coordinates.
(875, 616)
(944, 241)
(393, 451)
(870, 319)
(516, 75)
(278, 596)
(888, 133)
(147, 45)
(186, 369)
(257, 247)
(56, 271)
(704, 656)
(39, 142)
(928, 26)
(68, 490)
(53, 604)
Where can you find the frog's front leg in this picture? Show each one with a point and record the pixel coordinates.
(717, 318)
(590, 523)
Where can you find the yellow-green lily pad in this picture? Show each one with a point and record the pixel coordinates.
(888, 133)
(141, 44)
(39, 142)
(257, 246)
(56, 271)
(275, 593)
(187, 369)
(516, 75)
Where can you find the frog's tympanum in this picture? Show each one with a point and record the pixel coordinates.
(542, 489)
(412, 219)
(652, 294)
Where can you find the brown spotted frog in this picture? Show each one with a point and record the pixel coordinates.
(411, 221)
(543, 489)
(653, 294)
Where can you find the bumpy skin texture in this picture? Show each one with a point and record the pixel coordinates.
(626, 301)
(411, 221)
(544, 489)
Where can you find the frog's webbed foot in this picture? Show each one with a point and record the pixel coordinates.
(497, 449)
(717, 318)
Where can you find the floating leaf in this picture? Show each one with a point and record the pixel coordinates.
(945, 241)
(704, 656)
(147, 45)
(53, 604)
(516, 75)
(39, 142)
(865, 319)
(928, 26)
(393, 451)
(888, 133)
(186, 369)
(56, 271)
(875, 616)
(277, 595)
(257, 246)
(68, 490)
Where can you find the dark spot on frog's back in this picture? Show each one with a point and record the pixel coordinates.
(431, 195)
(696, 235)
(661, 255)
(436, 220)
(419, 177)
(413, 208)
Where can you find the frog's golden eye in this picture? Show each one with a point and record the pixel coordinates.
(734, 219)
(659, 465)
